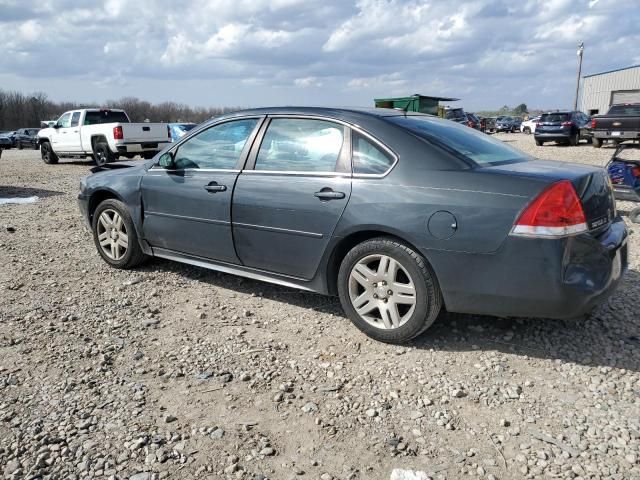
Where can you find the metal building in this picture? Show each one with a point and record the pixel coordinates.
(600, 90)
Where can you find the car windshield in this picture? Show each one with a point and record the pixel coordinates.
(505, 119)
(554, 117)
(625, 110)
(461, 141)
(105, 116)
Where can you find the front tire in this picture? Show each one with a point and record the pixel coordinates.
(115, 235)
(539, 143)
(102, 154)
(388, 290)
(574, 139)
(527, 130)
(48, 155)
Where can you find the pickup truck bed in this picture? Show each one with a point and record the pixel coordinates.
(621, 123)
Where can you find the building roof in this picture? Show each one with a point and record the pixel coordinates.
(416, 95)
(610, 71)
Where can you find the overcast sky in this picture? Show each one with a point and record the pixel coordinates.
(313, 52)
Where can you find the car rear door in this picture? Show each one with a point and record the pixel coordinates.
(290, 197)
(187, 209)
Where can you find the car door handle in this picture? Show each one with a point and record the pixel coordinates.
(328, 194)
(214, 188)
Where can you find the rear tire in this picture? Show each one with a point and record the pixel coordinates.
(115, 235)
(102, 154)
(47, 154)
(634, 216)
(20, 146)
(406, 299)
(597, 142)
(526, 130)
(574, 140)
(539, 143)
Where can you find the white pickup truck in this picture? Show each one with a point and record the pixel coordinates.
(103, 134)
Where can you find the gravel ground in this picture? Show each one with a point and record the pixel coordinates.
(171, 371)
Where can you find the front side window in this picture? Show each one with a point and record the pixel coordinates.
(463, 142)
(300, 145)
(65, 120)
(218, 147)
(75, 119)
(368, 158)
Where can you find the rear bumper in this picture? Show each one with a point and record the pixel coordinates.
(140, 147)
(625, 193)
(552, 136)
(538, 278)
(83, 205)
(607, 135)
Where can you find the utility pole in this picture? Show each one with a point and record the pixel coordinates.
(580, 52)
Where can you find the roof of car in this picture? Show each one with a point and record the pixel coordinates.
(326, 111)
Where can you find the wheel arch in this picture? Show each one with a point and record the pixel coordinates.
(97, 138)
(99, 196)
(346, 243)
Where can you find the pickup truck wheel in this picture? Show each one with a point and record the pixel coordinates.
(597, 142)
(115, 235)
(388, 290)
(102, 154)
(48, 155)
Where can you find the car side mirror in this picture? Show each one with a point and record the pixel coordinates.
(56, 126)
(166, 160)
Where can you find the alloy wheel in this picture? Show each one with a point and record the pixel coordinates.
(112, 234)
(382, 292)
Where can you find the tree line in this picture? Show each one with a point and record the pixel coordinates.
(19, 110)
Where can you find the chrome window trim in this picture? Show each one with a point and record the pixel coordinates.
(298, 173)
(351, 126)
(155, 167)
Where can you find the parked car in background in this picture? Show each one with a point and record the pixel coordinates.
(488, 124)
(104, 134)
(6, 141)
(455, 114)
(27, 137)
(388, 225)
(567, 127)
(505, 124)
(517, 121)
(177, 130)
(620, 123)
(529, 126)
(473, 121)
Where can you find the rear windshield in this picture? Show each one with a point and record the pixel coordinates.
(105, 116)
(554, 117)
(625, 110)
(454, 113)
(463, 142)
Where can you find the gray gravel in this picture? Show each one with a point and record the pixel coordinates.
(171, 371)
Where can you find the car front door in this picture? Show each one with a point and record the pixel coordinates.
(59, 140)
(289, 199)
(187, 208)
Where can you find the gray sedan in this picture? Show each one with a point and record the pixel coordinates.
(402, 215)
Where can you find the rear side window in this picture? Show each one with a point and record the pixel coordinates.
(554, 117)
(461, 141)
(624, 110)
(368, 158)
(105, 116)
(300, 145)
(218, 147)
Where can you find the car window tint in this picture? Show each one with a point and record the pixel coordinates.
(554, 117)
(64, 120)
(368, 158)
(624, 110)
(460, 140)
(300, 145)
(75, 119)
(217, 147)
(104, 116)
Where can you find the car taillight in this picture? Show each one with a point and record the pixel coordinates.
(538, 124)
(635, 171)
(567, 124)
(117, 133)
(556, 212)
(594, 123)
